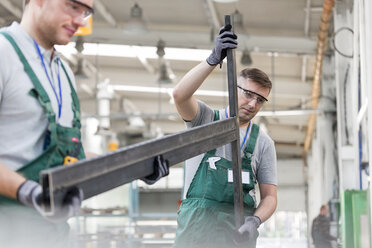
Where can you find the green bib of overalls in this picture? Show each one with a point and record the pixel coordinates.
(60, 141)
(206, 216)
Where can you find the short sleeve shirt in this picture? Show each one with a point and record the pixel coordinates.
(264, 155)
(23, 123)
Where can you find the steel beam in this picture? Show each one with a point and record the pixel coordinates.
(100, 174)
(235, 144)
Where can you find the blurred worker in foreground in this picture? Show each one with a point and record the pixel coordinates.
(206, 215)
(320, 229)
(39, 121)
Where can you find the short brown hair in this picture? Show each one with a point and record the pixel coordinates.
(323, 207)
(257, 76)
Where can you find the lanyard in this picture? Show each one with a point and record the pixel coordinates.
(246, 133)
(59, 100)
(245, 137)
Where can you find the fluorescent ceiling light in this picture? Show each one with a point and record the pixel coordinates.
(145, 89)
(125, 51)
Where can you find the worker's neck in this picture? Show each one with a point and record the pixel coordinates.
(244, 124)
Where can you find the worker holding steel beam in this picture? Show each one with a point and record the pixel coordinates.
(39, 121)
(206, 214)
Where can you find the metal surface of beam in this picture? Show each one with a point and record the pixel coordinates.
(100, 174)
(235, 145)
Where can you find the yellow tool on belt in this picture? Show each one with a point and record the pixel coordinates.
(73, 156)
(69, 160)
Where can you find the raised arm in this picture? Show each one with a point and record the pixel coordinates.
(183, 93)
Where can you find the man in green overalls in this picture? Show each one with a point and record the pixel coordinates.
(39, 121)
(206, 214)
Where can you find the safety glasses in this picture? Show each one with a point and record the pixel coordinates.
(251, 95)
(78, 9)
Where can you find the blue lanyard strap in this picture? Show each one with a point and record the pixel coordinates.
(245, 137)
(246, 133)
(59, 100)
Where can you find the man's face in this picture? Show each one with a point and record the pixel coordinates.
(325, 211)
(60, 19)
(250, 99)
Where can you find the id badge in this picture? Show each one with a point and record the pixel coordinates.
(245, 177)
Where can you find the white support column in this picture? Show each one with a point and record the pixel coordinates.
(367, 55)
(347, 104)
(347, 108)
(104, 95)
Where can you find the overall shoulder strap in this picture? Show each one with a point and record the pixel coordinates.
(252, 139)
(38, 91)
(216, 115)
(75, 100)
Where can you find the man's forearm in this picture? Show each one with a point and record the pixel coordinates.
(192, 81)
(268, 201)
(266, 208)
(9, 182)
(183, 92)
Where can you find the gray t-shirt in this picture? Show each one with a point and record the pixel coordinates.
(264, 155)
(23, 123)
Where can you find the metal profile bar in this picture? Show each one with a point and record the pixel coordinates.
(99, 174)
(235, 144)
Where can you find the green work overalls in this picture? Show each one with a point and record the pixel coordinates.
(206, 216)
(21, 226)
(60, 141)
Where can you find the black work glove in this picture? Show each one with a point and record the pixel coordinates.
(248, 233)
(225, 40)
(161, 169)
(30, 194)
